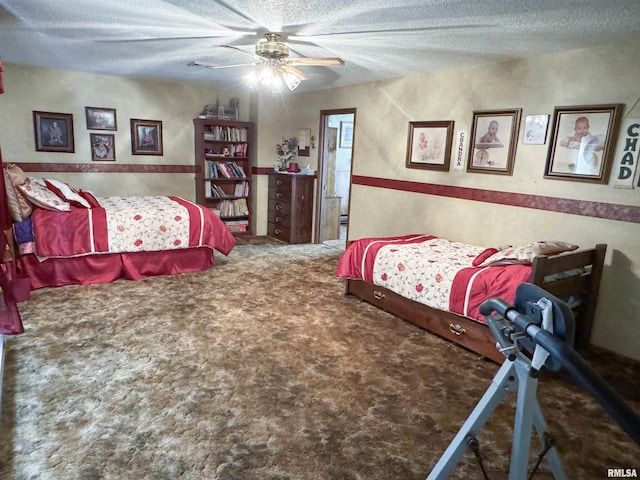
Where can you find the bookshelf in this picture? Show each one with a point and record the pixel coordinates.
(223, 170)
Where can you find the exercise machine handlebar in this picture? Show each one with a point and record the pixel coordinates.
(570, 360)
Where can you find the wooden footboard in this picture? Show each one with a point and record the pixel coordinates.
(582, 289)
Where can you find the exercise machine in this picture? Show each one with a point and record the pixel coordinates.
(534, 333)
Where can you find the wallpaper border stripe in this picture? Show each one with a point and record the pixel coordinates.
(610, 211)
(105, 168)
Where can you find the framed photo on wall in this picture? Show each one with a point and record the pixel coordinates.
(582, 142)
(429, 145)
(53, 132)
(494, 136)
(304, 142)
(103, 147)
(146, 137)
(101, 118)
(535, 129)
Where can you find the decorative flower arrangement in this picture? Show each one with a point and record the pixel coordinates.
(287, 151)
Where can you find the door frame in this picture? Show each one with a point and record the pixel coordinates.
(322, 166)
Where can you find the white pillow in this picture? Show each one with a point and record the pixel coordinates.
(66, 192)
(524, 254)
(36, 191)
(19, 207)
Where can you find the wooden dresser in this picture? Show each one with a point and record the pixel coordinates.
(290, 207)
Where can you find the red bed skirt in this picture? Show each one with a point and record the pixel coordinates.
(105, 268)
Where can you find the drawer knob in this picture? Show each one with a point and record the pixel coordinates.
(378, 295)
(278, 207)
(457, 329)
(278, 231)
(278, 219)
(279, 182)
(278, 195)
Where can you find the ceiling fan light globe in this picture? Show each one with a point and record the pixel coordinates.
(277, 84)
(250, 79)
(291, 80)
(266, 76)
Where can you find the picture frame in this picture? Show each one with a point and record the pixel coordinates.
(101, 118)
(494, 137)
(304, 142)
(103, 147)
(346, 134)
(535, 129)
(53, 132)
(583, 138)
(429, 145)
(146, 137)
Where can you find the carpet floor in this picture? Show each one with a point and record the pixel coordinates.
(261, 369)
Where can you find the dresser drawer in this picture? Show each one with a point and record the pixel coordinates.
(458, 329)
(279, 218)
(279, 231)
(280, 207)
(280, 187)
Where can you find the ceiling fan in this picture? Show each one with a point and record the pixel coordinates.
(277, 69)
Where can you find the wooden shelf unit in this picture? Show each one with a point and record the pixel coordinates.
(223, 170)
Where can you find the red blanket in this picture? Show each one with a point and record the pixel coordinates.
(129, 225)
(432, 271)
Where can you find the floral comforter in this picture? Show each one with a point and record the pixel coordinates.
(129, 224)
(433, 271)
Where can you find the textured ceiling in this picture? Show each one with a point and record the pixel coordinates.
(377, 39)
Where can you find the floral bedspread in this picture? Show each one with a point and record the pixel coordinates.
(129, 224)
(432, 271)
(423, 272)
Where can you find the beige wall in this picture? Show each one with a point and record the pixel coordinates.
(175, 104)
(603, 75)
(585, 77)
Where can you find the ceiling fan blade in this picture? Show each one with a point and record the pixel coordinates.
(215, 67)
(152, 34)
(240, 50)
(309, 38)
(159, 39)
(316, 62)
(291, 69)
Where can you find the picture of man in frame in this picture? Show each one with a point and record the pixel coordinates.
(53, 133)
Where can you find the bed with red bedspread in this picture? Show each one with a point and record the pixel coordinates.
(440, 285)
(69, 236)
(122, 237)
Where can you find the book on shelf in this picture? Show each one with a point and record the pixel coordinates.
(215, 191)
(219, 133)
(241, 189)
(237, 228)
(237, 225)
(233, 208)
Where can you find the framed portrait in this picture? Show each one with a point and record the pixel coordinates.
(582, 142)
(494, 136)
(429, 145)
(146, 137)
(346, 134)
(101, 118)
(304, 142)
(103, 147)
(535, 129)
(53, 132)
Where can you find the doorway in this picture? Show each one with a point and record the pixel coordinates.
(337, 129)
